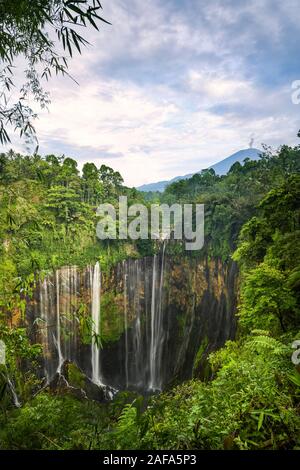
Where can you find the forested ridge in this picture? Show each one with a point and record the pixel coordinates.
(249, 395)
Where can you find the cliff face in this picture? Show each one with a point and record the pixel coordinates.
(141, 326)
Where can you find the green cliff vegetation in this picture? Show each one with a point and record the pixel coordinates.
(48, 219)
(250, 400)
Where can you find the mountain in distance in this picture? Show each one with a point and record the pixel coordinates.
(221, 168)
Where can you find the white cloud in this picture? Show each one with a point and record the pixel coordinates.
(167, 90)
(157, 135)
(216, 87)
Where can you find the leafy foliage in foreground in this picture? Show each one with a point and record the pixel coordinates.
(59, 423)
(250, 404)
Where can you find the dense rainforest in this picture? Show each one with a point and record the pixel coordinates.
(243, 389)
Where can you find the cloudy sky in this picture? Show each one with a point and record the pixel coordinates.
(176, 85)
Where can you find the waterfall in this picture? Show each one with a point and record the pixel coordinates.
(152, 333)
(74, 317)
(137, 338)
(57, 313)
(153, 310)
(58, 304)
(58, 325)
(157, 333)
(96, 318)
(44, 296)
(14, 394)
(160, 326)
(126, 324)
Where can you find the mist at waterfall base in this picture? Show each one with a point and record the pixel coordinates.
(153, 349)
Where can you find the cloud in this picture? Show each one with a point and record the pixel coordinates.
(175, 85)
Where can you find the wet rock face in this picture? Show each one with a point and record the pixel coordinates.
(158, 319)
(72, 381)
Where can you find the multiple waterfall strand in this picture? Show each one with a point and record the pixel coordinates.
(58, 297)
(135, 348)
(141, 350)
(96, 318)
(137, 339)
(44, 315)
(148, 345)
(157, 331)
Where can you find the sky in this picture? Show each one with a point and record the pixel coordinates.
(173, 86)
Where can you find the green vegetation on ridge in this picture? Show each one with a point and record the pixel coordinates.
(251, 400)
